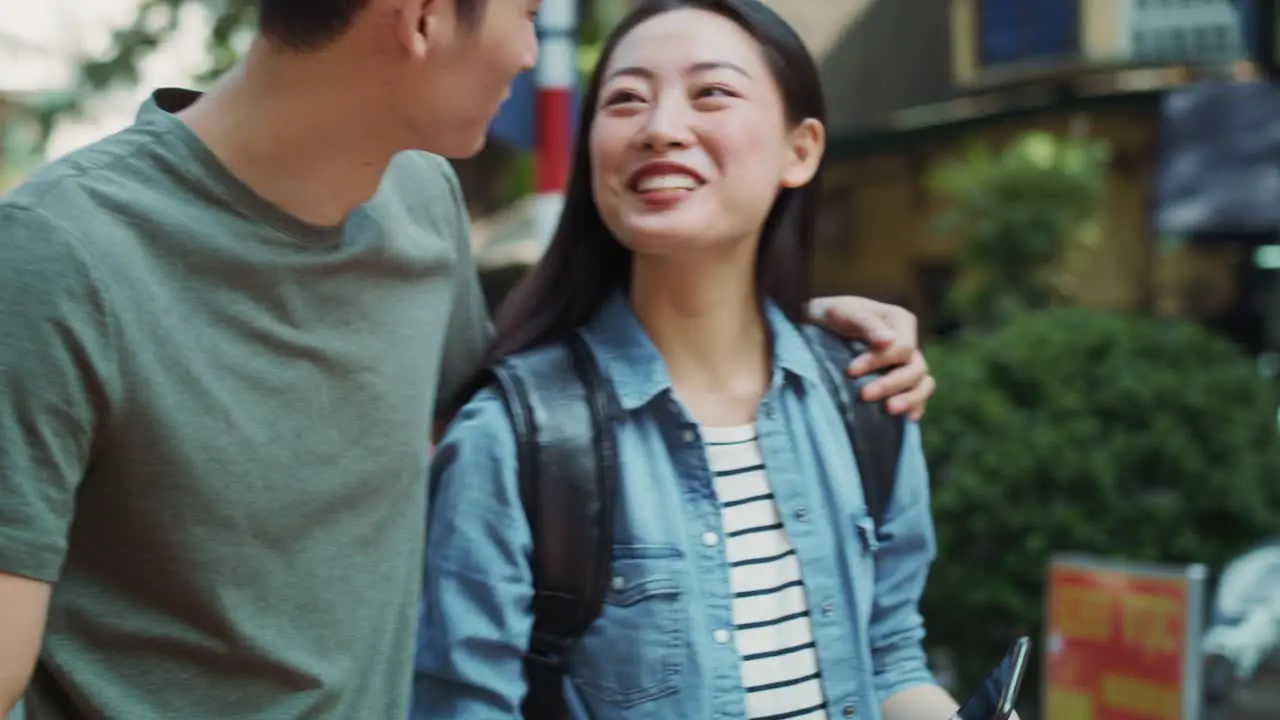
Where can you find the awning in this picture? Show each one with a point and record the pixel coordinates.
(1219, 165)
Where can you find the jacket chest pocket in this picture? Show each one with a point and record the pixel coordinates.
(633, 653)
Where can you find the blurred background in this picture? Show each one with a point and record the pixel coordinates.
(1078, 198)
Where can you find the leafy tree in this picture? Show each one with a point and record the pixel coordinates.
(1015, 213)
(154, 24)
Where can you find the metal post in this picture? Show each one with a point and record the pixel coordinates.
(556, 76)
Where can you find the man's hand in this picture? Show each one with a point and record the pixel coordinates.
(891, 332)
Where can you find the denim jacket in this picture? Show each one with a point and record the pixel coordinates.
(655, 652)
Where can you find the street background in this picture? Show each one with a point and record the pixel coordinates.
(1078, 198)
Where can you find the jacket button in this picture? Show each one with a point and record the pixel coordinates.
(710, 539)
(619, 582)
(721, 636)
(689, 436)
(849, 710)
(828, 609)
(802, 514)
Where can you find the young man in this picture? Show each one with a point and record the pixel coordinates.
(226, 328)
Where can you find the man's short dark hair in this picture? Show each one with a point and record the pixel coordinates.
(311, 24)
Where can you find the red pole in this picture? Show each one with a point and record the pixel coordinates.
(555, 79)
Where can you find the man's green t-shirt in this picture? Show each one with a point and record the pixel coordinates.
(214, 428)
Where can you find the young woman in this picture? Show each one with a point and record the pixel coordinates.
(745, 580)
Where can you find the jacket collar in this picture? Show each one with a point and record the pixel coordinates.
(638, 371)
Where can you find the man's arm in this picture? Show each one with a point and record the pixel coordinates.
(23, 605)
(56, 378)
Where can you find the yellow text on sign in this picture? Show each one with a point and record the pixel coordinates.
(1152, 623)
(1069, 705)
(1140, 698)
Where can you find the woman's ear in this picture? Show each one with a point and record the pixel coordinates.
(808, 140)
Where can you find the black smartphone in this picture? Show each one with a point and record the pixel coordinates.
(995, 699)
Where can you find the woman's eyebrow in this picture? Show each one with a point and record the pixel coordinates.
(698, 67)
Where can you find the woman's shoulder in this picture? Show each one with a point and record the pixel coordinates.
(518, 378)
(480, 432)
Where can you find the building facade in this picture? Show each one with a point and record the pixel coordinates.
(1165, 82)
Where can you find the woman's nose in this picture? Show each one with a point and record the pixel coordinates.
(667, 128)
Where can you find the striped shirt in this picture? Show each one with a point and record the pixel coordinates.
(770, 609)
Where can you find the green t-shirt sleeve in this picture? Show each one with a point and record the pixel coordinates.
(469, 329)
(56, 378)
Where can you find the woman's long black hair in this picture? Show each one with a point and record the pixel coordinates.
(585, 263)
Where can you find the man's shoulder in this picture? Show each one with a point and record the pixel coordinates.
(69, 217)
(35, 237)
(78, 178)
(44, 270)
(427, 188)
(430, 172)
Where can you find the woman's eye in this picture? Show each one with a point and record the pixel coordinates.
(622, 97)
(712, 91)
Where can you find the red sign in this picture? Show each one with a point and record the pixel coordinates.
(1117, 644)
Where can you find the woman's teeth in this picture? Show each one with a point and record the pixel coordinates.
(657, 183)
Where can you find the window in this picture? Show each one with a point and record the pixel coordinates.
(1184, 30)
(1027, 30)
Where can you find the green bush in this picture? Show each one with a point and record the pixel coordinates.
(1073, 430)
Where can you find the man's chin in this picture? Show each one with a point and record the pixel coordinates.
(479, 145)
(460, 149)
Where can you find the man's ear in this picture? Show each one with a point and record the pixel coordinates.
(808, 141)
(418, 23)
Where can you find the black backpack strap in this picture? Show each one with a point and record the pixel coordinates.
(876, 435)
(562, 409)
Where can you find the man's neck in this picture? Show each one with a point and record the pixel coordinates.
(298, 131)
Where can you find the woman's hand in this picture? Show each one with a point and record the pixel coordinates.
(891, 333)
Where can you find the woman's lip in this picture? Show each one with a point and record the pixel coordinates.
(664, 199)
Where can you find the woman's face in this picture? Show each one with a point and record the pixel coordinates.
(690, 144)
